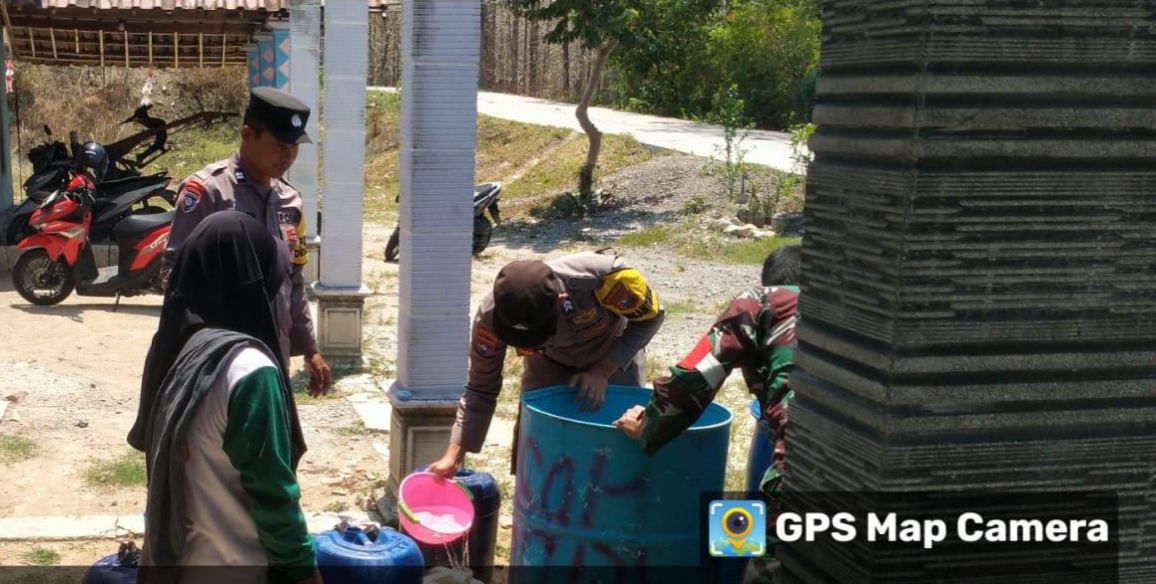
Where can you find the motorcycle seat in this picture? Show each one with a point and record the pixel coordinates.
(141, 223)
(484, 190)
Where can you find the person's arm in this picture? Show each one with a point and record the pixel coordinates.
(484, 383)
(680, 398)
(302, 338)
(195, 201)
(257, 442)
(626, 293)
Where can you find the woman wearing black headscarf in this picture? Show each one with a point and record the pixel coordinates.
(217, 419)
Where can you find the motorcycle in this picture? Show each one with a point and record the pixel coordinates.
(485, 199)
(122, 192)
(58, 255)
(115, 198)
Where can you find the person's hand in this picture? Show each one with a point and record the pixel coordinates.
(447, 467)
(320, 377)
(591, 384)
(632, 422)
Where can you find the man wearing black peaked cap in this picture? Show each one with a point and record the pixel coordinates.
(253, 181)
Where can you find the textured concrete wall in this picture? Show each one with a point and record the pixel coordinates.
(979, 304)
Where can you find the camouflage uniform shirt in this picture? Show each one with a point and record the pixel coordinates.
(757, 334)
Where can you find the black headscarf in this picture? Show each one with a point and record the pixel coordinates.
(226, 276)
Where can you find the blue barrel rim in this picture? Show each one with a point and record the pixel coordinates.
(547, 392)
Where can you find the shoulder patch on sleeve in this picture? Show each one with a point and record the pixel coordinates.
(626, 293)
(485, 341)
(190, 196)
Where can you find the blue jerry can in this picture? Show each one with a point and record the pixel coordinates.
(352, 556)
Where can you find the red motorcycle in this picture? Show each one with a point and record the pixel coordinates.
(58, 256)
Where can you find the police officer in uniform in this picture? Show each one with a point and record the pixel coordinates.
(252, 181)
(582, 320)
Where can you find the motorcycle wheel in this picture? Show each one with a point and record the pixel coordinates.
(32, 282)
(483, 230)
(393, 247)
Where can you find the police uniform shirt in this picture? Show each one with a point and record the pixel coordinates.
(224, 186)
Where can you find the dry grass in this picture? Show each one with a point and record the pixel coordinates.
(126, 471)
(559, 171)
(111, 95)
(16, 449)
(709, 246)
(528, 160)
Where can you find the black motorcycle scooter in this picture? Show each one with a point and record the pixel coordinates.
(115, 198)
(485, 199)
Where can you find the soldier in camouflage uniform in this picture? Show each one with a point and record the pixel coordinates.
(582, 320)
(756, 333)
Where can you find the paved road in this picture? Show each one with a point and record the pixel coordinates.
(768, 148)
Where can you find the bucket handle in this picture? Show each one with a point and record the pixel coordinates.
(408, 514)
(405, 510)
(467, 490)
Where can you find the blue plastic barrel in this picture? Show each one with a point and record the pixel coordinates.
(483, 534)
(351, 557)
(586, 496)
(759, 455)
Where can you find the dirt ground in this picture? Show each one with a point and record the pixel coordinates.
(74, 373)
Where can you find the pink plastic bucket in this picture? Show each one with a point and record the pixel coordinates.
(434, 513)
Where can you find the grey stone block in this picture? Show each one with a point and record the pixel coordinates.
(979, 294)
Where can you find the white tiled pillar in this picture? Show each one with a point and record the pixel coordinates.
(340, 291)
(440, 47)
(304, 71)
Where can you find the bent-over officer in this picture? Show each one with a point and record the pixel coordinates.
(582, 320)
(252, 181)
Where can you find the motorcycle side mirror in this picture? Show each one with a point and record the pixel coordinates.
(47, 130)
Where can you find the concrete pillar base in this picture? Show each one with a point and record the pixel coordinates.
(312, 270)
(419, 428)
(340, 312)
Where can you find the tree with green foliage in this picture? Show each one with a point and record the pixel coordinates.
(696, 50)
(768, 48)
(602, 26)
(670, 73)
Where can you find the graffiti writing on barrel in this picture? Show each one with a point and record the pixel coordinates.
(563, 500)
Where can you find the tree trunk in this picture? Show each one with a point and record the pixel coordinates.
(566, 70)
(586, 177)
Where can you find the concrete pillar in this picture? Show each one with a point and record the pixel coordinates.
(281, 53)
(341, 292)
(979, 291)
(254, 61)
(267, 58)
(439, 55)
(304, 68)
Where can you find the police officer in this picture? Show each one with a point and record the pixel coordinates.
(252, 181)
(582, 320)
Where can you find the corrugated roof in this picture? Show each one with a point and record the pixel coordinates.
(247, 5)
